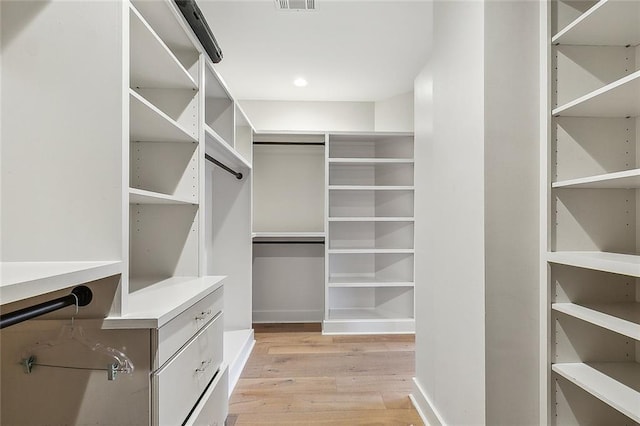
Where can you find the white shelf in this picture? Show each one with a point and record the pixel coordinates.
(291, 235)
(369, 188)
(607, 23)
(365, 282)
(625, 264)
(22, 280)
(370, 219)
(622, 318)
(149, 124)
(360, 314)
(153, 65)
(356, 161)
(219, 149)
(371, 250)
(618, 99)
(628, 179)
(140, 196)
(161, 300)
(616, 384)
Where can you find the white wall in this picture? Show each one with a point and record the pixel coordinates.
(394, 114)
(309, 116)
(477, 216)
(450, 218)
(512, 93)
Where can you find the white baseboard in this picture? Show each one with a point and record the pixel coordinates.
(425, 408)
(289, 316)
(238, 347)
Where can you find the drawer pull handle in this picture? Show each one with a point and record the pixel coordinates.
(203, 366)
(203, 315)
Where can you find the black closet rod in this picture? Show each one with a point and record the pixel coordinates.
(238, 175)
(288, 143)
(80, 296)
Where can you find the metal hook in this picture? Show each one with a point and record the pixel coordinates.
(77, 305)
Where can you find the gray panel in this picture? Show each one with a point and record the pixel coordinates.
(163, 241)
(583, 69)
(574, 406)
(288, 281)
(594, 219)
(591, 146)
(570, 284)
(167, 168)
(578, 341)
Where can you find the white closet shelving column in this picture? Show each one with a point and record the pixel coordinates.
(369, 250)
(591, 295)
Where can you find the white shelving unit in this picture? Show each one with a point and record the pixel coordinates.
(370, 233)
(125, 207)
(227, 131)
(591, 293)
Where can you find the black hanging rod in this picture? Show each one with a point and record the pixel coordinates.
(288, 143)
(288, 242)
(238, 175)
(80, 296)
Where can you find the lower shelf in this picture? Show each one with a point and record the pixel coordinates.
(367, 325)
(616, 384)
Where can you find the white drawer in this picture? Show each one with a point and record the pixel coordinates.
(178, 384)
(214, 405)
(173, 335)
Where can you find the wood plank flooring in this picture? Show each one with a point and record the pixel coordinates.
(297, 376)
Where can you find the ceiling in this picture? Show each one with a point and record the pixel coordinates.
(347, 50)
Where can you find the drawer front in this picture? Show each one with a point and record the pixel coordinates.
(214, 406)
(173, 335)
(178, 385)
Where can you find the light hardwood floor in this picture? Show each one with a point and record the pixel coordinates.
(297, 376)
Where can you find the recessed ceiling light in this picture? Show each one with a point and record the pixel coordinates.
(300, 82)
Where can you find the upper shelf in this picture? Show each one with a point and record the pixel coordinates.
(149, 124)
(371, 251)
(607, 23)
(350, 161)
(157, 304)
(289, 235)
(370, 188)
(615, 383)
(141, 196)
(222, 151)
(618, 99)
(624, 264)
(628, 179)
(153, 65)
(622, 318)
(370, 219)
(21, 280)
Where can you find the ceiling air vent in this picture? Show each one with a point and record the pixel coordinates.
(295, 4)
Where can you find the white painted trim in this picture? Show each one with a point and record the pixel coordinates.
(237, 364)
(425, 408)
(287, 316)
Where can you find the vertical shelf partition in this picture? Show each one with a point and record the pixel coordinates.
(369, 252)
(591, 294)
